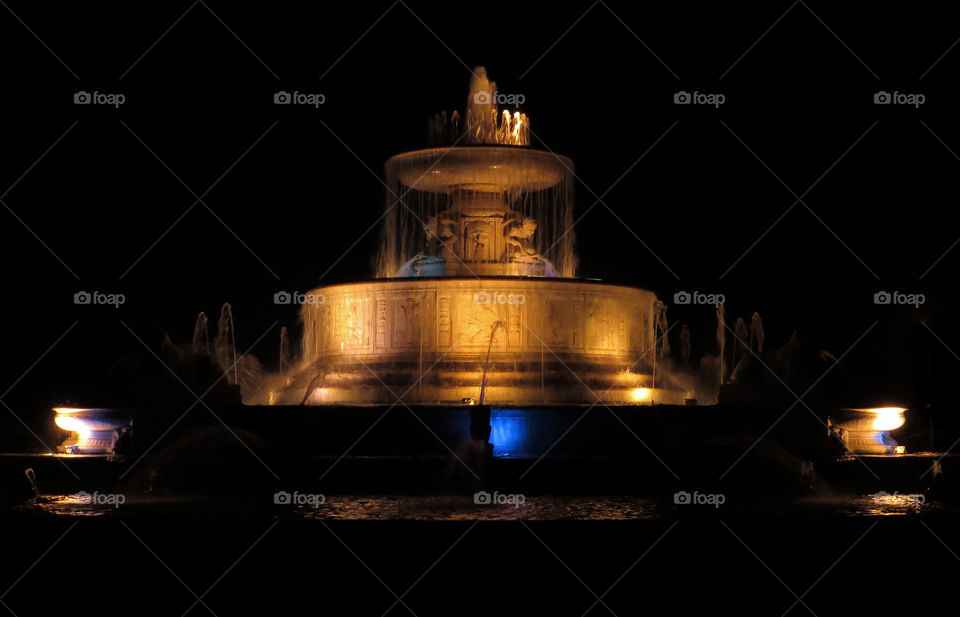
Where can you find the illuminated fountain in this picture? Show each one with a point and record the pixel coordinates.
(476, 284)
(867, 430)
(92, 431)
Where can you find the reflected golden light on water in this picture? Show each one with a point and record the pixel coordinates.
(71, 505)
(641, 394)
(463, 508)
(892, 504)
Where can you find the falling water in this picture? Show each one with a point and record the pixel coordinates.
(721, 340)
(201, 335)
(435, 195)
(427, 188)
(490, 209)
(660, 341)
(739, 349)
(442, 132)
(756, 333)
(284, 349)
(661, 327)
(225, 345)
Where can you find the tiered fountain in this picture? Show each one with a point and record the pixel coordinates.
(476, 288)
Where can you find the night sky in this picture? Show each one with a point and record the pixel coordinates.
(105, 199)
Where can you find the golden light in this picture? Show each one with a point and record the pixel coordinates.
(519, 124)
(900, 450)
(95, 431)
(887, 418)
(463, 255)
(69, 423)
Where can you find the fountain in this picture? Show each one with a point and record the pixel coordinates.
(477, 233)
(284, 350)
(92, 431)
(867, 430)
(201, 335)
(225, 346)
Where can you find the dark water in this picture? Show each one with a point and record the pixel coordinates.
(241, 553)
(463, 508)
(445, 555)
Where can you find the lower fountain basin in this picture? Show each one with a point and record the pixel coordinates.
(426, 340)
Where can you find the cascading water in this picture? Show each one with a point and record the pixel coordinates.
(479, 233)
(756, 333)
(225, 345)
(489, 210)
(201, 335)
(441, 202)
(722, 342)
(284, 360)
(739, 350)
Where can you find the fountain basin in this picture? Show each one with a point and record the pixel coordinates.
(425, 340)
(436, 170)
(485, 210)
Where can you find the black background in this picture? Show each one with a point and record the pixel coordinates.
(799, 82)
(303, 203)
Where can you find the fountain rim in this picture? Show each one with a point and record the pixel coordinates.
(535, 153)
(493, 278)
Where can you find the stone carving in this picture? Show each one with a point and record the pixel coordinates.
(518, 235)
(595, 329)
(407, 322)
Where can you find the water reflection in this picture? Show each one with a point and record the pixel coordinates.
(457, 507)
(884, 504)
(462, 507)
(68, 505)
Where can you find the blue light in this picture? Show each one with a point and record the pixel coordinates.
(510, 432)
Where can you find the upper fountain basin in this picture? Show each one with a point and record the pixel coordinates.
(437, 170)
